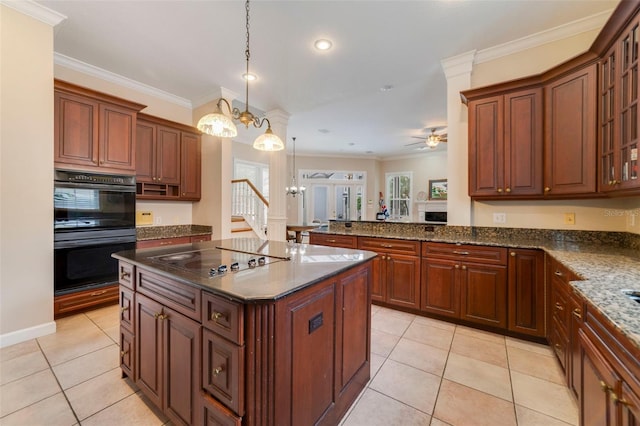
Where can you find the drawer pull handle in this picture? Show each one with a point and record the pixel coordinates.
(125, 274)
(216, 371)
(624, 402)
(559, 306)
(547, 189)
(457, 266)
(558, 273)
(331, 241)
(215, 316)
(558, 346)
(577, 313)
(98, 293)
(387, 245)
(123, 353)
(464, 253)
(605, 387)
(161, 316)
(464, 267)
(124, 309)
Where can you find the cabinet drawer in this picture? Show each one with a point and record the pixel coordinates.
(127, 307)
(223, 370)
(466, 252)
(559, 342)
(389, 245)
(200, 238)
(163, 242)
(81, 300)
(126, 276)
(127, 345)
(216, 414)
(180, 297)
(560, 308)
(345, 241)
(224, 317)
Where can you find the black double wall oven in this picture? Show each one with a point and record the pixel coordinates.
(94, 216)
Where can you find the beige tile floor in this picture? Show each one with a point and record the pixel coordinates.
(424, 372)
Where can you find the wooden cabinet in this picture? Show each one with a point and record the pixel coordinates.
(620, 112)
(570, 133)
(558, 277)
(505, 145)
(610, 374)
(190, 172)
(526, 289)
(465, 282)
(396, 271)
(78, 301)
(168, 160)
(168, 359)
(92, 130)
(333, 240)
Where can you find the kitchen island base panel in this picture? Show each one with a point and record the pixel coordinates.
(296, 360)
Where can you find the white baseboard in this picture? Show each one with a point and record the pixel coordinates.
(25, 334)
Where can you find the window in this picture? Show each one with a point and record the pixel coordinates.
(399, 189)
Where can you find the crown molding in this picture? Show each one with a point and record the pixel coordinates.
(76, 65)
(36, 11)
(458, 65)
(570, 29)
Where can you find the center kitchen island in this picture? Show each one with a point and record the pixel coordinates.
(246, 331)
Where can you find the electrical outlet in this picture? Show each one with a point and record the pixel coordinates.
(569, 218)
(499, 218)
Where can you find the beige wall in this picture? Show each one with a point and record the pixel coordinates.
(619, 214)
(26, 177)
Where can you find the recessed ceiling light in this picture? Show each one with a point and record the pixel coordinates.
(386, 88)
(351, 144)
(323, 44)
(325, 131)
(249, 77)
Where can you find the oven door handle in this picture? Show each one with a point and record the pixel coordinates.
(92, 241)
(117, 188)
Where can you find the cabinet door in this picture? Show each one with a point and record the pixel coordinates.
(440, 287)
(181, 366)
(75, 130)
(168, 155)
(190, 182)
(403, 280)
(573, 350)
(570, 134)
(629, 406)
(145, 152)
(378, 280)
(523, 143)
(149, 353)
(609, 131)
(117, 137)
(484, 294)
(486, 146)
(526, 292)
(599, 380)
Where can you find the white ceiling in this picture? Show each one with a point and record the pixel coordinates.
(193, 48)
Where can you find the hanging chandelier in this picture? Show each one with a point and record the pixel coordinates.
(220, 125)
(293, 189)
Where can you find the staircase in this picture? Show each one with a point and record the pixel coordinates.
(248, 210)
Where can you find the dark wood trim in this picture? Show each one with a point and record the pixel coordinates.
(618, 21)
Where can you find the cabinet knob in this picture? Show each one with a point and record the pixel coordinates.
(547, 189)
(184, 193)
(215, 316)
(216, 371)
(123, 353)
(499, 190)
(153, 178)
(507, 190)
(161, 316)
(558, 273)
(577, 313)
(513, 254)
(457, 266)
(559, 306)
(124, 309)
(125, 274)
(464, 267)
(605, 387)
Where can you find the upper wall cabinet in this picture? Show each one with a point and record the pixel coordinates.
(505, 145)
(93, 130)
(167, 160)
(570, 134)
(619, 113)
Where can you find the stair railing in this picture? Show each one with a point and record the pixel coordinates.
(249, 203)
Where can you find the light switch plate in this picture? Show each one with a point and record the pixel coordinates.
(144, 218)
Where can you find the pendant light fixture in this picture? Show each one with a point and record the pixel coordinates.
(218, 124)
(294, 189)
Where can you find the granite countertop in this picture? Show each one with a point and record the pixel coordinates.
(307, 265)
(144, 233)
(603, 260)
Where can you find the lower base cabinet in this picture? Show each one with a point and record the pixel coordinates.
(207, 360)
(83, 300)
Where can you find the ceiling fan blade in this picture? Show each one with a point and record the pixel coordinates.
(415, 143)
(419, 137)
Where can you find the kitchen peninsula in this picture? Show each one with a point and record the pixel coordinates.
(245, 331)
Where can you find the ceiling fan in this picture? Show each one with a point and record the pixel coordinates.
(430, 141)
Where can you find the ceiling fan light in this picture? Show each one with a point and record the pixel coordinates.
(217, 124)
(268, 142)
(432, 141)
